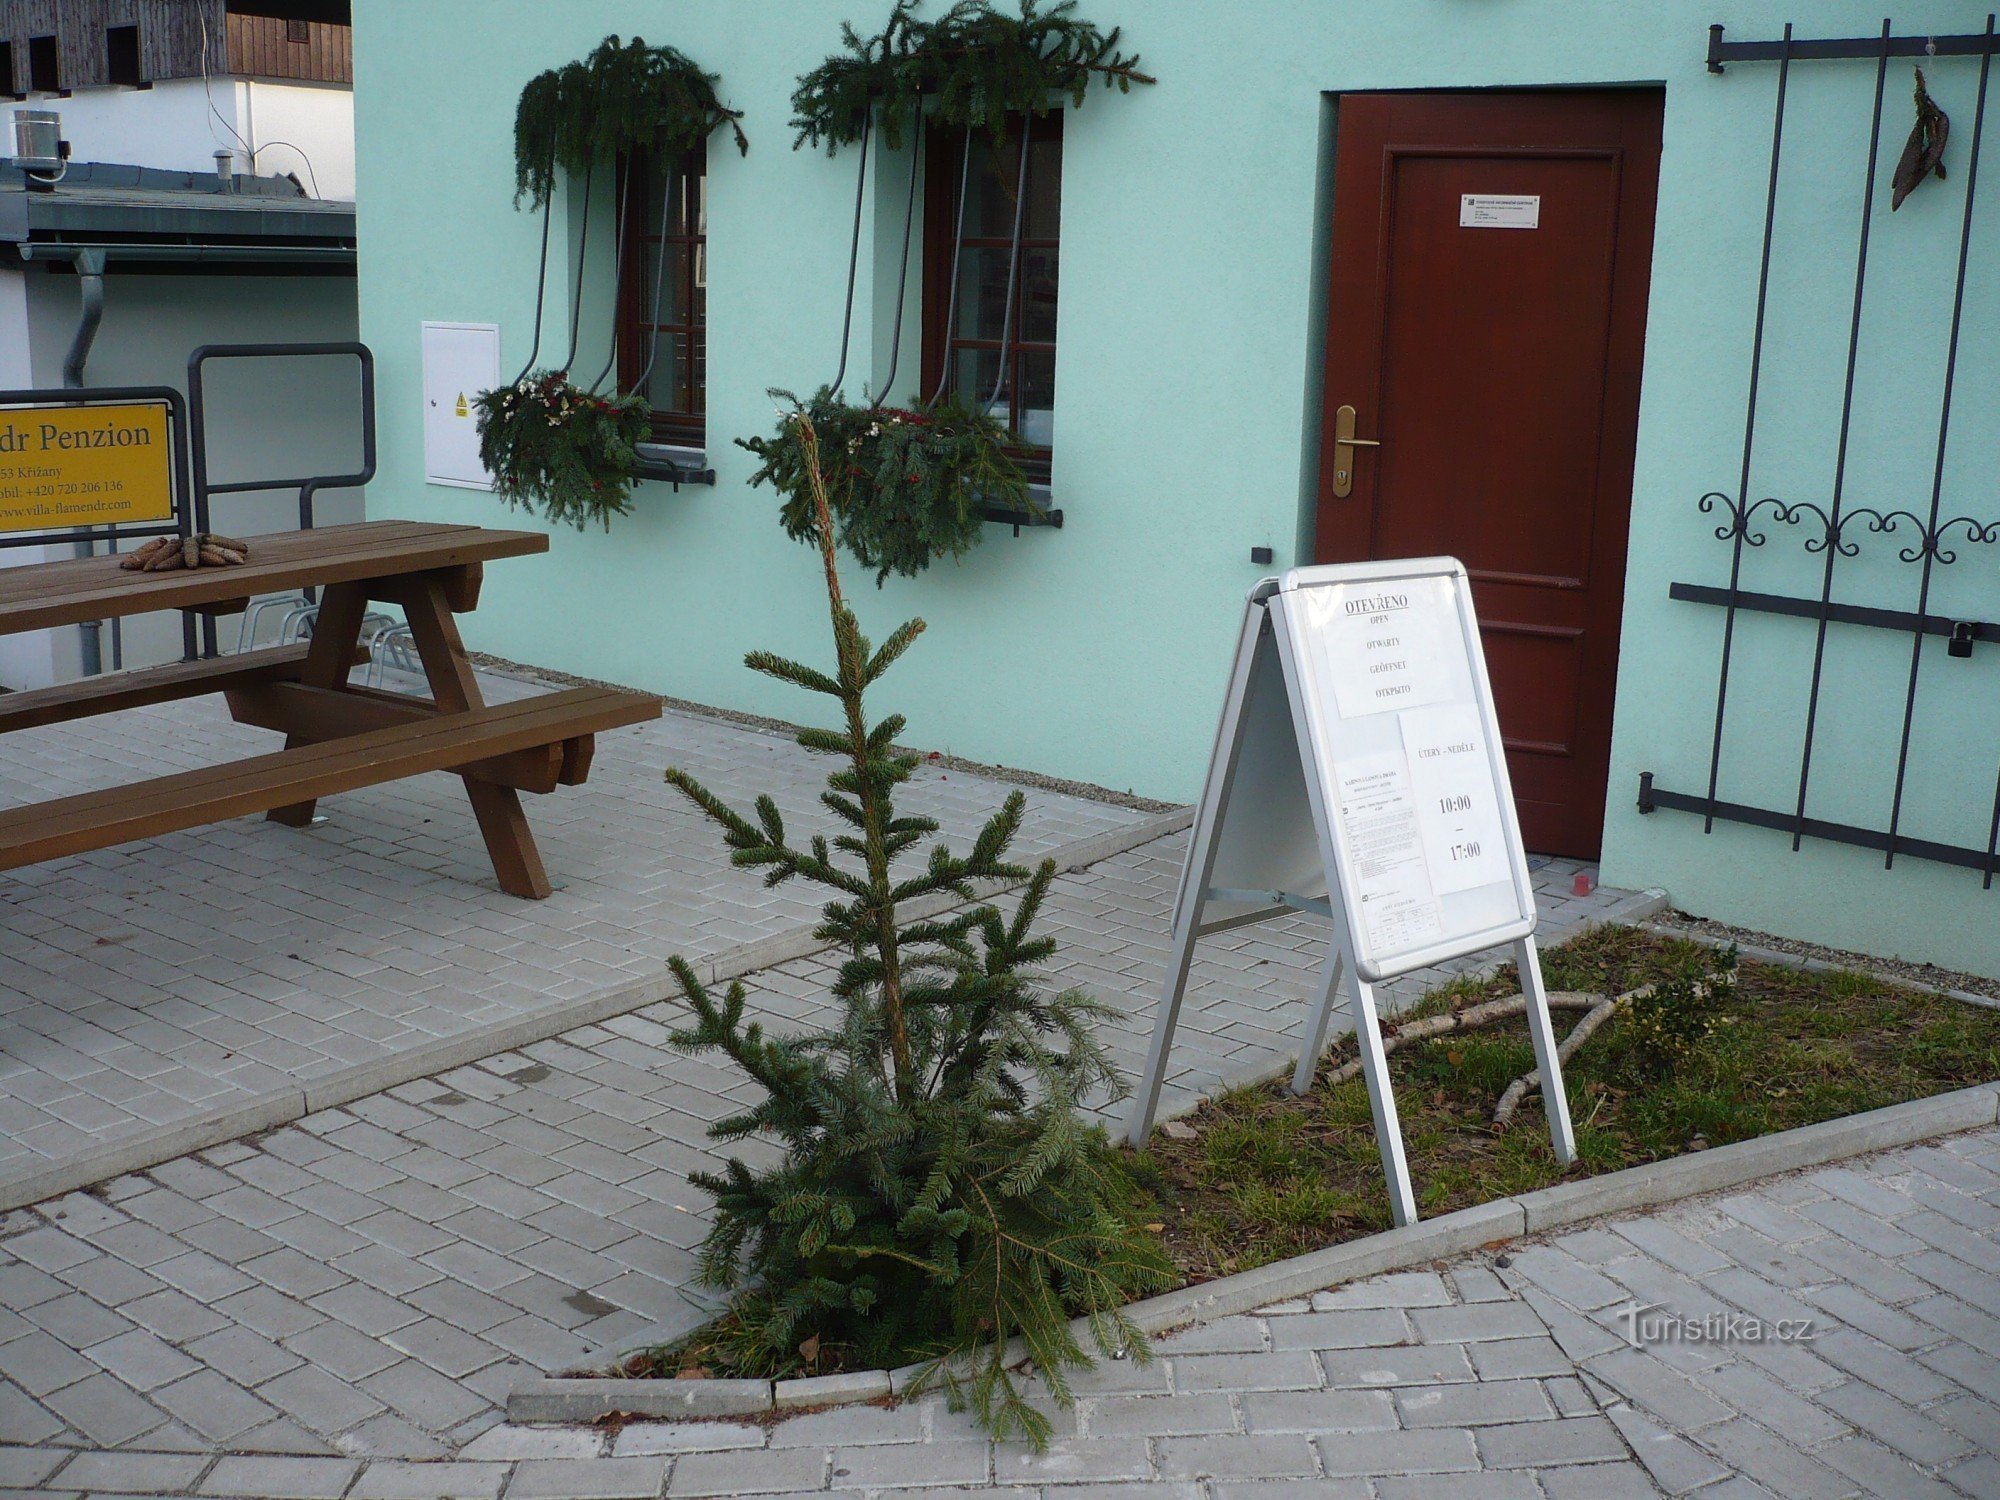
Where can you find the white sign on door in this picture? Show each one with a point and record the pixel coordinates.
(1499, 210)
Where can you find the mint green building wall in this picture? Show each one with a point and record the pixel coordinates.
(1194, 223)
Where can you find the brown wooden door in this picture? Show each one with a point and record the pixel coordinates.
(1497, 365)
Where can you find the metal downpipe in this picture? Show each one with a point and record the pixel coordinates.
(90, 285)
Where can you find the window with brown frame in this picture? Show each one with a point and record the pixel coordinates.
(663, 296)
(968, 343)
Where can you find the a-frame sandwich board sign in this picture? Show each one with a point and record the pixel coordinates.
(1358, 774)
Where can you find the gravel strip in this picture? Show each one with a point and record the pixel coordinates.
(1928, 976)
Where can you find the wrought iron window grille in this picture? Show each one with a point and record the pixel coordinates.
(1927, 540)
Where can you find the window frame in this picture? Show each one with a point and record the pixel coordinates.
(944, 155)
(640, 240)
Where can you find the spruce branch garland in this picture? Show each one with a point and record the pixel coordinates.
(973, 67)
(554, 447)
(903, 487)
(625, 97)
(940, 1192)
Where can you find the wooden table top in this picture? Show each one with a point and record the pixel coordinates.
(39, 595)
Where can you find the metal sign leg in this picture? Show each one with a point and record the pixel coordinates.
(1381, 1096)
(1146, 1099)
(1555, 1099)
(1315, 1038)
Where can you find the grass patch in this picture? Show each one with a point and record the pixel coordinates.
(1267, 1175)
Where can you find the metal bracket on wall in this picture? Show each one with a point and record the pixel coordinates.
(1961, 633)
(1820, 49)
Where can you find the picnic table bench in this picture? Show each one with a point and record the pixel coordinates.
(339, 736)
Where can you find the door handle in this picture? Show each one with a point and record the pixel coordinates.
(1344, 444)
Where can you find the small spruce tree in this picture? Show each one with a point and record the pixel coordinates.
(940, 1192)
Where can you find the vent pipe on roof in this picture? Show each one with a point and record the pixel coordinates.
(225, 171)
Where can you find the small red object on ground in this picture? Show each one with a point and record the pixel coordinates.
(1584, 884)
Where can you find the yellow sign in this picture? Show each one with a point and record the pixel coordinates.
(462, 409)
(64, 466)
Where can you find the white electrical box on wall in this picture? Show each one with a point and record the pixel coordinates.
(460, 361)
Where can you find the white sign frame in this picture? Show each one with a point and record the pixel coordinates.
(1269, 838)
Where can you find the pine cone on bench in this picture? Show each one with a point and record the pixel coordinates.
(166, 554)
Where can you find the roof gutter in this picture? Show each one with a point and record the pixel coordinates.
(313, 254)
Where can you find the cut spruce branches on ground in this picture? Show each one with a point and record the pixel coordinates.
(1694, 1053)
(903, 487)
(555, 448)
(940, 1191)
(974, 66)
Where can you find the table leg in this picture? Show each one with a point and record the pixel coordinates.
(336, 641)
(510, 843)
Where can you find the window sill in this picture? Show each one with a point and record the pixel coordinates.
(1047, 515)
(675, 464)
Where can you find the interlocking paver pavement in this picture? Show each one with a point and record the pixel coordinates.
(162, 981)
(1397, 1386)
(152, 983)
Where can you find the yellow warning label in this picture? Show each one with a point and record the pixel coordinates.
(84, 466)
(462, 409)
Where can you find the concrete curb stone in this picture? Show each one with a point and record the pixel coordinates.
(1448, 1235)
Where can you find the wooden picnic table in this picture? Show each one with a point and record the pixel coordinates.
(339, 736)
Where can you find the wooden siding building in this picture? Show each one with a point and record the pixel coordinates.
(54, 46)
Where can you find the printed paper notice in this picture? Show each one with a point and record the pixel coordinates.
(1378, 821)
(1382, 646)
(1457, 805)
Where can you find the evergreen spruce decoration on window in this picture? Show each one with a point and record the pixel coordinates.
(550, 442)
(973, 67)
(624, 97)
(904, 487)
(940, 1191)
(555, 447)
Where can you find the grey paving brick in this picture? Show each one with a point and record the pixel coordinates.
(587, 1479)
(1070, 1460)
(1434, 1451)
(1235, 1456)
(1170, 1416)
(1882, 1472)
(1758, 1453)
(1486, 1401)
(906, 1465)
(133, 1473)
(749, 1473)
(106, 1411)
(1622, 1481)
(1570, 1440)
(1289, 1370)
(1318, 1411)
(280, 1478)
(1888, 1420)
(1488, 1486)
(1476, 1321)
(390, 1480)
(1414, 1365)
(21, 1467)
(1345, 1329)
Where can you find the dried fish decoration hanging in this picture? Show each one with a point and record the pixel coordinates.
(1923, 153)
